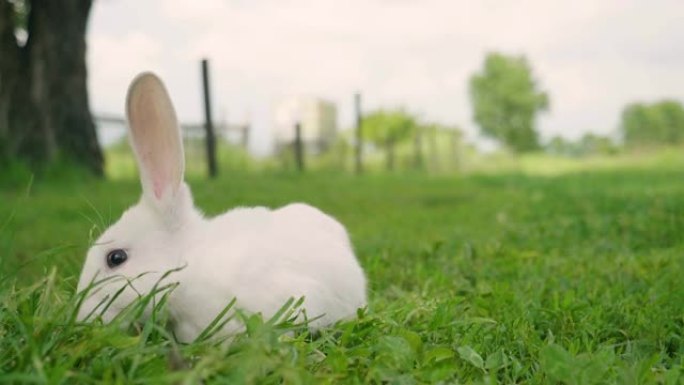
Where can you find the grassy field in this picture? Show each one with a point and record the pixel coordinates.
(571, 277)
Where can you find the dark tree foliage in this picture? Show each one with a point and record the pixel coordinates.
(506, 100)
(44, 110)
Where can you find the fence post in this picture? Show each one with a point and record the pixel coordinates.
(208, 125)
(434, 151)
(358, 161)
(418, 148)
(455, 143)
(299, 147)
(245, 136)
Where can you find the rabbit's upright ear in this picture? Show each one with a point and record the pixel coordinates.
(155, 138)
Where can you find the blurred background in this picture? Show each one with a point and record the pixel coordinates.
(375, 86)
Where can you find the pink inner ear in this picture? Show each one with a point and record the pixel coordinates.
(157, 190)
(158, 178)
(158, 187)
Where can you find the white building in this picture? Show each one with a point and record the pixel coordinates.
(318, 119)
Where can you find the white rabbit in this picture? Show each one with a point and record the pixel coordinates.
(258, 256)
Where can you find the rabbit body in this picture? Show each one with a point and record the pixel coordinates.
(257, 256)
(263, 257)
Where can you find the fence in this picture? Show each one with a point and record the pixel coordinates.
(200, 139)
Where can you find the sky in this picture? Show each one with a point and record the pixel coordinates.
(592, 57)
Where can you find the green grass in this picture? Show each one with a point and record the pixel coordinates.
(516, 277)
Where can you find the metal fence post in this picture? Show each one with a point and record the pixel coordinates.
(299, 147)
(208, 125)
(358, 163)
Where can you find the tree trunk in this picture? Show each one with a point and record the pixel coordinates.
(18, 121)
(57, 46)
(44, 109)
(8, 57)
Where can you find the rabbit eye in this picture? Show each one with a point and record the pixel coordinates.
(116, 258)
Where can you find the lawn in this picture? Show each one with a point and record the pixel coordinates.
(572, 277)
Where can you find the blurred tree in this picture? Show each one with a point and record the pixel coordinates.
(672, 116)
(431, 130)
(650, 124)
(44, 111)
(640, 125)
(418, 156)
(506, 99)
(588, 144)
(443, 142)
(561, 146)
(594, 144)
(386, 128)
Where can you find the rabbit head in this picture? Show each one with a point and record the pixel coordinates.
(146, 242)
